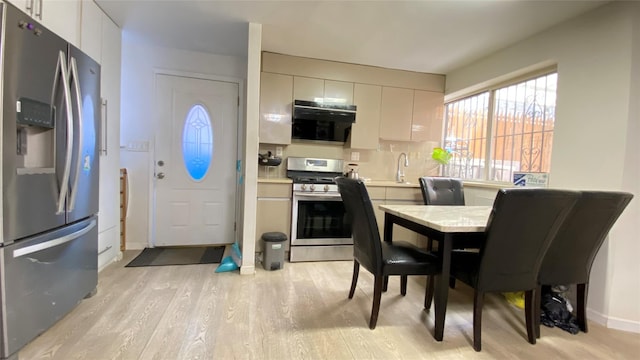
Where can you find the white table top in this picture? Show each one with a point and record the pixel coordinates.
(443, 218)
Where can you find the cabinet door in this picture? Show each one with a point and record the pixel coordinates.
(110, 136)
(276, 94)
(91, 30)
(309, 89)
(24, 5)
(366, 130)
(396, 114)
(273, 215)
(428, 107)
(61, 17)
(338, 92)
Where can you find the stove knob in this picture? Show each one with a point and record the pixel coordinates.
(326, 188)
(303, 187)
(312, 187)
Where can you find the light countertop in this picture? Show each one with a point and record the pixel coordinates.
(444, 218)
(274, 181)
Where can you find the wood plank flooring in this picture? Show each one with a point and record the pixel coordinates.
(300, 312)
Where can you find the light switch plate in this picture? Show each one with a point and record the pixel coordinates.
(279, 151)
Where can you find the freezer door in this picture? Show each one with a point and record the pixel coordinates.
(43, 278)
(33, 126)
(84, 82)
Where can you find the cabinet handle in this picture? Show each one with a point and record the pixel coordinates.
(105, 125)
(29, 6)
(39, 9)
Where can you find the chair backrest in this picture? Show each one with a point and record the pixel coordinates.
(367, 248)
(441, 191)
(572, 251)
(522, 224)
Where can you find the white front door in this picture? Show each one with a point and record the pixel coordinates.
(195, 161)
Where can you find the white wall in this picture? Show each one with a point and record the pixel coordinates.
(596, 135)
(251, 147)
(139, 61)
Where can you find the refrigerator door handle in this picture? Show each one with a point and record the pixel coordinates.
(63, 73)
(55, 242)
(73, 79)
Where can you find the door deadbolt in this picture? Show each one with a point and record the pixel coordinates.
(160, 175)
(160, 163)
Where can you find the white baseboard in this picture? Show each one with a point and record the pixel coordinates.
(613, 322)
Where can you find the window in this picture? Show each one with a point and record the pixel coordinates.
(197, 142)
(503, 130)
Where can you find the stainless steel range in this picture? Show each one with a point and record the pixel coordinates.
(320, 229)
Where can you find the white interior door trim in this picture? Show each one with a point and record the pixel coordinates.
(240, 142)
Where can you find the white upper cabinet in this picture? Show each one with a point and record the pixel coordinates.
(428, 108)
(411, 115)
(319, 90)
(396, 114)
(365, 131)
(60, 16)
(310, 89)
(338, 92)
(276, 97)
(91, 34)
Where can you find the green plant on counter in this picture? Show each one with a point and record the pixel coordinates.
(441, 155)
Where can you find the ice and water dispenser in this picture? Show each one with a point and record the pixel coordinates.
(35, 139)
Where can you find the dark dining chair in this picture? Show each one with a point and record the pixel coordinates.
(571, 253)
(440, 191)
(520, 228)
(380, 258)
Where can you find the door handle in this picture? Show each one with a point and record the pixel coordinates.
(62, 74)
(73, 78)
(54, 242)
(160, 175)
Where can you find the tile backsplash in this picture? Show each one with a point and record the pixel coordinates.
(380, 164)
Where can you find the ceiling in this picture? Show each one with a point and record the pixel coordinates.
(427, 36)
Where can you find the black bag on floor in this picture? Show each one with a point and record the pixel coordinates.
(555, 312)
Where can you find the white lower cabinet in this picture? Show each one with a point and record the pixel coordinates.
(273, 212)
(108, 251)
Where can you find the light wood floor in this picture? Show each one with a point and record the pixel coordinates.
(300, 312)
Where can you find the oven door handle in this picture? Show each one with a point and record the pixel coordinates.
(316, 195)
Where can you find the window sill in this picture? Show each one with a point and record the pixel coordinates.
(487, 184)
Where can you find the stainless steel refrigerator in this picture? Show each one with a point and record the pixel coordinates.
(50, 124)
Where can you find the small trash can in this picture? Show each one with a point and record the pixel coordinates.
(273, 255)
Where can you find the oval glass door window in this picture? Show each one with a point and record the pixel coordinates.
(197, 142)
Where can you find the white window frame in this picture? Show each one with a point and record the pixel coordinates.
(489, 136)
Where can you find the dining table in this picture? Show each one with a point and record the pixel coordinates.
(452, 227)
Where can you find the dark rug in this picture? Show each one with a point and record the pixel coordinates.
(178, 256)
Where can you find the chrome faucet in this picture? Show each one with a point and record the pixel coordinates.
(400, 173)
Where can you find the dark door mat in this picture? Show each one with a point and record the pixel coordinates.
(178, 256)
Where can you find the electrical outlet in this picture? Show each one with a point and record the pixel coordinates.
(279, 151)
(355, 156)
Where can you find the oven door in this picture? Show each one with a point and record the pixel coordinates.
(319, 219)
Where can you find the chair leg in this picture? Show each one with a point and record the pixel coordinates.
(377, 294)
(385, 283)
(529, 313)
(537, 310)
(452, 282)
(581, 306)
(354, 279)
(478, 299)
(403, 285)
(428, 295)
